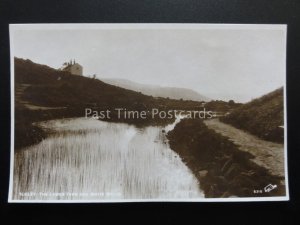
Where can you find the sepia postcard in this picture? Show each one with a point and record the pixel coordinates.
(148, 112)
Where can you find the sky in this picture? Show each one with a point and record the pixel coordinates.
(221, 62)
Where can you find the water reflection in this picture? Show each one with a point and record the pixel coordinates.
(88, 159)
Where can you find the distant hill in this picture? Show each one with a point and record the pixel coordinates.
(262, 116)
(158, 91)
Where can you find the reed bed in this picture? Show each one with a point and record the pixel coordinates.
(86, 159)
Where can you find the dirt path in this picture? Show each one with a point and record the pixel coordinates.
(267, 154)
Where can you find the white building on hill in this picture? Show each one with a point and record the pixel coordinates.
(72, 67)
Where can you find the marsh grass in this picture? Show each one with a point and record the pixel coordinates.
(86, 159)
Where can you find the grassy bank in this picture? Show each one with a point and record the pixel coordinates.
(27, 133)
(221, 168)
(261, 117)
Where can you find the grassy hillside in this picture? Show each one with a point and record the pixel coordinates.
(261, 117)
(43, 93)
(52, 88)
